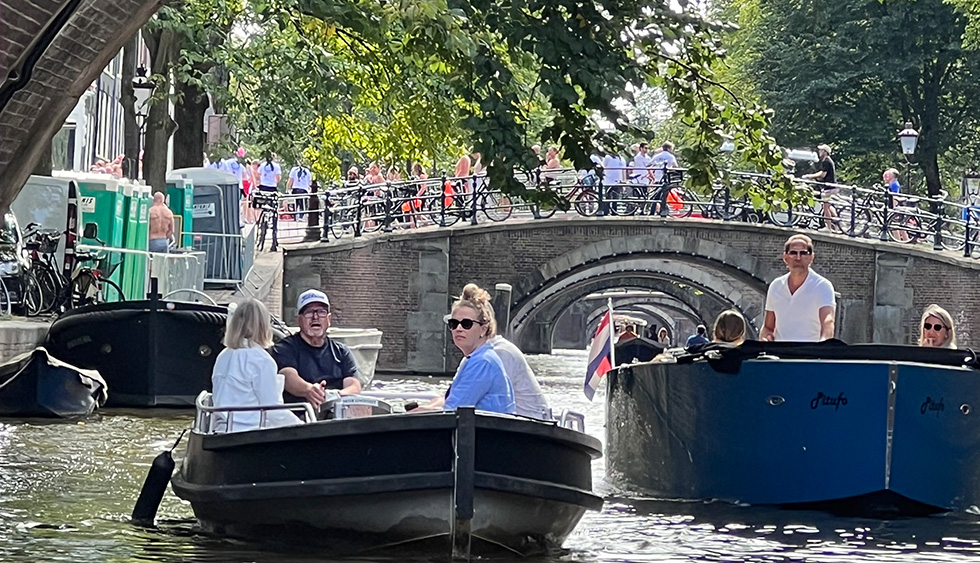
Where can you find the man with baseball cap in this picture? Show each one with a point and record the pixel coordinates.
(309, 360)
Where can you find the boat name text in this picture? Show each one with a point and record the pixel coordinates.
(930, 405)
(826, 400)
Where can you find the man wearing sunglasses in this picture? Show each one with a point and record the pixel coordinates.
(799, 305)
(309, 360)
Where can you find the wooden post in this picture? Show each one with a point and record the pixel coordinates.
(464, 471)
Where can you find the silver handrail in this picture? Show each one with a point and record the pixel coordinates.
(204, 419)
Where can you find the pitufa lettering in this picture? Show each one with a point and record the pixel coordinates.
(930, 405)
(826, 400)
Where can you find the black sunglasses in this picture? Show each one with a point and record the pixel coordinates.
(465, 323)
(929, 326)
(799, 252)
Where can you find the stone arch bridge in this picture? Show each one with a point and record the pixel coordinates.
(403, 283)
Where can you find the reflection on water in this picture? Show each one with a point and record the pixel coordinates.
(67, 489)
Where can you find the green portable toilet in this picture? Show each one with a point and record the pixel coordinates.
(133, 276)
(101, 201)
(180, 198)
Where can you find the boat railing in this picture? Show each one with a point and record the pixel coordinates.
(205, 421)
(572, 420)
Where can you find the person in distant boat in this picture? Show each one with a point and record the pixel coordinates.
(309, 360)
(480, 380)
(937, 328)
(161, 224)
(729, 327)
(628, 332)
(245, 374)
(700, 336)
(663, 336)
(799, 305)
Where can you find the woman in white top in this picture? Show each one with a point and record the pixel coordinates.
(245, 374)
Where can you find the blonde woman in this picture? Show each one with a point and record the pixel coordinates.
(937, 330)
(245, 374)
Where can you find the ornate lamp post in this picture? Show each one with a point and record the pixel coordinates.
(142, 90)
(908, 138)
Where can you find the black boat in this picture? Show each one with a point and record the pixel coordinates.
(458, 483)
(636, 349)
(36, 385)
(151, 353)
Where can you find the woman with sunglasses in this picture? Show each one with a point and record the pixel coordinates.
(937, 328)
(480, 380)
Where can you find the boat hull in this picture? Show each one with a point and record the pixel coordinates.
(531, 483)
(151, 353)
(36, 385)
(797, 432)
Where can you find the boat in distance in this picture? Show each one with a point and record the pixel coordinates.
(862, 428)
(34, 384)
(452, 483)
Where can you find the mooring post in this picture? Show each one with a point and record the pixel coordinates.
(464, 473)
(501, 308)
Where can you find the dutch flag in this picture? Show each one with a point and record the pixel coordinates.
(600, 353)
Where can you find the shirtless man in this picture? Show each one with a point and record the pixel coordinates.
(161, 224)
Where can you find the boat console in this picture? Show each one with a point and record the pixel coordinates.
(355, 406)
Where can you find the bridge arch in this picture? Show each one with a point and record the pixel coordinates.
(706, 276)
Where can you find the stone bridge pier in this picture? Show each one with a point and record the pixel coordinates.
(403, 283)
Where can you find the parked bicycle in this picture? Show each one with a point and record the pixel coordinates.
(268, 205)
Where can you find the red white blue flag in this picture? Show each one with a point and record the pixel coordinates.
(600, 353)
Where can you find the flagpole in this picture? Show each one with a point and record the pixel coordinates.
(612, 332)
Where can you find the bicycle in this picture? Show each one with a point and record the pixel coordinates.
(42, 246)
(268, 205)
(88, 284)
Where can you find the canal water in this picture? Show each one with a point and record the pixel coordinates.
(67, 489)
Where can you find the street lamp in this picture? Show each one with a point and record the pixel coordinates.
(909, 138)
(142, 90)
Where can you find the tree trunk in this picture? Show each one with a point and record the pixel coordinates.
(131, 132)
(164, 48)
(189, 115)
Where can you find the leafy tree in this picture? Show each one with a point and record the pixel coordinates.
(851, 72)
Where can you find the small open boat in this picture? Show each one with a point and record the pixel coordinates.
(864, 428)
(636, 349)
(36, 385)
(460, 483)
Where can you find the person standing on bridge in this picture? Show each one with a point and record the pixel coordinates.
(827, 174)
(799, 305)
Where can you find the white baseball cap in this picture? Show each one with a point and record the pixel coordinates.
(311, 296)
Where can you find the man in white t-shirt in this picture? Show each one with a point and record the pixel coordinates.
(663, 159)
(642, 165)
(799, 305)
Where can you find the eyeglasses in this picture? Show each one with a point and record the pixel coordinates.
(799, 252)
(465, 323)
(315, 312)
(937, 326)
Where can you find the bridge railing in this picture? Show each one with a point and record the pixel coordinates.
(354, 209)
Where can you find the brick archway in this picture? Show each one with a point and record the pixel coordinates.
(50, 52)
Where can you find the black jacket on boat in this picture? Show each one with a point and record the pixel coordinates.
(330, 363)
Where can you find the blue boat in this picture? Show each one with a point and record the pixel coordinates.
(864, 428)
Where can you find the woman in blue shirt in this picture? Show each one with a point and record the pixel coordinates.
(480, 380)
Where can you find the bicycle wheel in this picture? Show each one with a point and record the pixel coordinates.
(31, 300)
(684, 206)
(781, 216)
(5, 308)
(373, 216)
(624, 200)
(861, 220)
(263, 228)
(50, 286)
(107, 297)
(903, 228)
(497, 206)
(587, 203)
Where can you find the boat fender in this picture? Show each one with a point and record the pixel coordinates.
(411, 406)
(154, 487)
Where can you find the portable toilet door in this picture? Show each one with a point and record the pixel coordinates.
(217, 227)
(102, 202)
(44, 200)
(180, 199)
(144, 197)
(129, 239)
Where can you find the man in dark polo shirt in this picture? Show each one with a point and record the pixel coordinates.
(309, 360)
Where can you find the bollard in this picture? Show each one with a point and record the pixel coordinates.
(473, 203)
(360, 211)
(388, 218)
(725, 216)
(600, 193)
(884, 218)
(442, 203)
(967, 251)
(501, 308)
(327, 216)
(937, 242)
(853, 212)
(312, 216)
